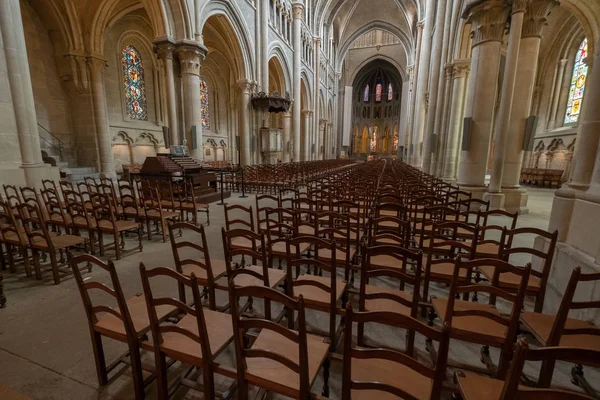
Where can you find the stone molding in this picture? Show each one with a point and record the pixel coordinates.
(488, 21)
(164, 48)
(297, 10)
(307, 113)
(191, 55)
(245, 86)
(520, 6)
(536, 17)
(460, 68)
(96, 64)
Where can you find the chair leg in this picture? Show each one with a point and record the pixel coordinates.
(54, 264)
(136, 369)
(26, 262)
(36, 264)
(11, 259)
(117, 245)
(99, 359)
(209, 383)
(163, 225)
(162, 383)
(326, 365)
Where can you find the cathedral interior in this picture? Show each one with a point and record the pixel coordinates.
(262, 157)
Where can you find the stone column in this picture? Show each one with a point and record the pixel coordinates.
(434, 86)
(560, 75)
(403, 136)
(264, 44)
(297, 9)
(245, 88)
(21, 91)
(460, 70)
(190, 56)
(424, 61)
(97, 67)
(321, 143)
(586, 166)
(330, 141)
(440, 150)
(515, 198)
(316, 96)
(287, 130)
(494, 194)
(308, 141)
(413, 100)
(165, 50)
(488, 23)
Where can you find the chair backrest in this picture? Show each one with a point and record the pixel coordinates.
(256, 252)
(78, 209)
(404, 258)
(150, 201)
(33, 221)
(91, 184)
(195, 249)
(92, 309)
(299, 337)
(264, 203)
(508, 219)
(512, 389)
(13, 196)
(245, 221)
(8, 225)
(516, 297)
(103, 209)
(384, 383)
(444, 240)
(153, 302)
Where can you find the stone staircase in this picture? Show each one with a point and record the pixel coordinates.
(72, 174)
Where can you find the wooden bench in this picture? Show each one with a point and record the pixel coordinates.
(537, 176)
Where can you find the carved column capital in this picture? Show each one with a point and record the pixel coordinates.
(420, 25)
(190, 56)
(460, 68)
(536, 17)
(164, 48)
(520, 6)
(245, 86)
(322, 124)
(449, 71)
(562, 63)
(488, 21)
(297, 10)
(97, 65)
(307, 113)
(410, 69)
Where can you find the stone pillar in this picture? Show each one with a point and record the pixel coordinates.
(97, 67)
(21, 91)
(460, 70)
(560, 75)
(413, 98)
(434, 86)
(165, 50)
(424, 62)
(321, 145)
(317, 97)
(190, 56)
(287, 130)
(330, 141)
(264, 44)
(297, 9)
(440, 150)
(515, 198)
(494, 194)
(405, 137)
(585, 163)
(488, 23)
(245, 88)
(307, 135)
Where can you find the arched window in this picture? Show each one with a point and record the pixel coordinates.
(378, 92)
(134, 84)
(366, 96)
(204, 102)
(390, 92)
(578, 81)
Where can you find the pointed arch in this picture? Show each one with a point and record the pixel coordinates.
(276, 54)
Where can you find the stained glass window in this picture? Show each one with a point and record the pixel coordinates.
(133, 84)
(366, 96)
(577, 84)
(390, 92)
(378, 91)
(204, 104)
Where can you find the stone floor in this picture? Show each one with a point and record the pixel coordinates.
(45, 349)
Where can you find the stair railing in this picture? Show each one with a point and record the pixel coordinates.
(59, 147)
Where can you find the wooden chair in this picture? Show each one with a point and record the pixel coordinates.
(336, 227)
(245, 221)
(482, 323)
(279, 227)
(443, 248)
(42, 241)
(475, 387)
(369, 373)
(385, 299)
(254, 274)
(12, 234)
(539, 279)
(55, 211)
(81, 215)
(197, 339)
(128, 322)
(91, 184)
(563, 329)
(326, 294)
(489, 247)
(280, 360)
(190, 206)
(390, 230)
(107, 223)
(154, 212)
(191, 256)
(264, 203)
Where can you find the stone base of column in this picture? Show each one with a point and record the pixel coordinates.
(477, 191)
(108, 175)
(566, 258)
(515, 200)
(35, 174)
(496, 200)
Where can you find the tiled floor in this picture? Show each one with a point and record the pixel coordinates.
(45, 350)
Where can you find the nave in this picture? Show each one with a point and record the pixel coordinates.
(58, 342)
